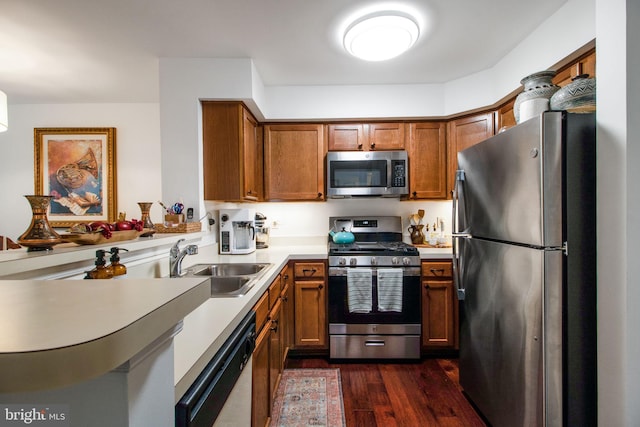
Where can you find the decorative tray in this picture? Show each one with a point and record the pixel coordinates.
(183, 227)
(96, 237)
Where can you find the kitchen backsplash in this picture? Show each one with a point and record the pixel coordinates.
(302, 219)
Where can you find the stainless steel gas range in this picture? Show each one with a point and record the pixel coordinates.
(374, 291)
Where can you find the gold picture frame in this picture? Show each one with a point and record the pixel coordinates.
(78, 167)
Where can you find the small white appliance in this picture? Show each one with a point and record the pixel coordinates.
(237, 231)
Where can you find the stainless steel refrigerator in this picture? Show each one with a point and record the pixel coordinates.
(525, 271)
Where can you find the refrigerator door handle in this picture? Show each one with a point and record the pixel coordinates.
(458, 220)
(456, 262)
(458, 209)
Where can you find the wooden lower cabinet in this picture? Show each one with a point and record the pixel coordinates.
(275, 349)
(311, 328)
(287, 314)
(273, 321)
(260, 393)
(439, 307)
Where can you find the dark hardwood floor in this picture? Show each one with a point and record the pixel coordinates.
(425, 393)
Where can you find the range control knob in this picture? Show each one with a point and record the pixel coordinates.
(342, 261)
(395, 260)
(353, 261)
(406, 261)
(374, 260)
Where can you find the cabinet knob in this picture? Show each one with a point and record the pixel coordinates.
(320, 286)
(319, 195)
(359, 146)
(373, 145)
(426, 286)
(414, 194)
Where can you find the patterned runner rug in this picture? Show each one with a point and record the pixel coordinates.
(309, 397)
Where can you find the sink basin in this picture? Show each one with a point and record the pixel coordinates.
(228, 279)
(230, 286)
(244, 269)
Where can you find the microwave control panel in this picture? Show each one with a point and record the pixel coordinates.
(398, 173)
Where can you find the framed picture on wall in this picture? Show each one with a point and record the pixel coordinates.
(77, 166)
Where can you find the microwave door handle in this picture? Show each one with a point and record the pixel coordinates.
(389, 172)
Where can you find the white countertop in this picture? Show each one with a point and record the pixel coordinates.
(50, 329)
(57, 333)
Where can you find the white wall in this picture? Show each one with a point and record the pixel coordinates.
(137, 155)
(618, 95)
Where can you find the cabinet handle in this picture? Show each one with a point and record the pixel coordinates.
(437, 270)
(286, 276)
(307, 270)
(320, 286)
(274, 326)
(285, 299)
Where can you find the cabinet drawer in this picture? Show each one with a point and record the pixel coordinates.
(436, 269)
(309, 270)
(262, 310)
(274, 292)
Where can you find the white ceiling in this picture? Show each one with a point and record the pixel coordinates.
(60, 51)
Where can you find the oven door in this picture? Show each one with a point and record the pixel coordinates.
(339, 312)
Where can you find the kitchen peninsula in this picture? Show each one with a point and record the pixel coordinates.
(119, 338)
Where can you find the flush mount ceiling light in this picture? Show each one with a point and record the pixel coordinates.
(381, 36)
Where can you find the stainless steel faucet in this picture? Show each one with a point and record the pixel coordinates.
(176, 256)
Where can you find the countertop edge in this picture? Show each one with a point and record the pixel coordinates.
(54, 368)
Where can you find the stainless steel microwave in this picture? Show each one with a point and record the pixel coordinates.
(367, 173)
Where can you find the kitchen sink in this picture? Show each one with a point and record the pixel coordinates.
(224, 270)
(228, 279)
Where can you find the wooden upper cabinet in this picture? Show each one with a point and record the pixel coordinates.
(346, 137)
(294, 161)
(462, 134)
(427, 160)
(386, 136)
(232, 152)
(504, 117)
(585, 64)
(366, 137)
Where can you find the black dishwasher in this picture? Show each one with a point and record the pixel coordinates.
(204, 400)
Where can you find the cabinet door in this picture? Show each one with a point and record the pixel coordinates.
(438, 314)
(260, 393)
(386, 136)
(294, 162)
(275, 358)
(310, 314)
(462, 134)
(583, 65)
(505, 117)
(230, 152)
(346, 137)
(427, 160)
(252, 160)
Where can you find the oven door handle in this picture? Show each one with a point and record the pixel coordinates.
(374, 343)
